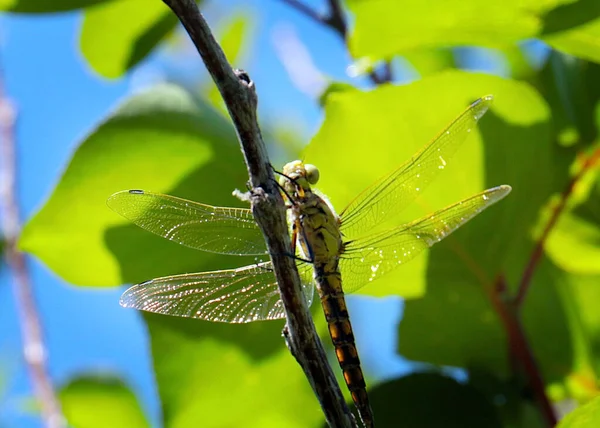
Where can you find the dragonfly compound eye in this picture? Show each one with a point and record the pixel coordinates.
(312, 173)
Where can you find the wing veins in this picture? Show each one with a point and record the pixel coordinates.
(370, 199)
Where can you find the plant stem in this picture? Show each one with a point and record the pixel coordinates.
(520, 350)
(508, 308)
(34, 349)
(538, 250)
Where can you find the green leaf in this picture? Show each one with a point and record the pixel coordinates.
(571, 88)
(570, 15)
(46, 6)
(90, 402)
(574, 28)
(581, 296)
(367, 134)
(507, 398)
(161, 140)
(559, 329)
(424, 400)
(203, 368)
(518, 63)
(384, 28)
(234, 37)
(574, 244)
(430, 61)
(112, 53)
(586, 416)
(333, 88)
(582, 42)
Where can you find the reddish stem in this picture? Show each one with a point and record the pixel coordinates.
(538, 250)
(520, 351)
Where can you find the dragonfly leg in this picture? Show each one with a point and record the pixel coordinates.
(294, 239)
(287, 195)
(300, 259)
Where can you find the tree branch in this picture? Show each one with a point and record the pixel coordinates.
(239, 94)
(336, 20)
(538, 250)
(34, 349)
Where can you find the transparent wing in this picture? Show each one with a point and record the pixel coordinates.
(204, 227)
(240, 295)
(393, 192)
(367, 259)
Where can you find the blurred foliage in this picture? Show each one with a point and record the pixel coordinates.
(430, 61)
(424, 400)
(162, 140)
(574, 243)
(542, 127)
(46, 6)
(358, 121)
(586, 416)
(100, 402)
(112, 53)
(215, 374)
(572, 27)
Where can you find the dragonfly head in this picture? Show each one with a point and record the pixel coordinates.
(298, 175)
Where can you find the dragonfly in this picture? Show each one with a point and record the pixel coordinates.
(338, 254)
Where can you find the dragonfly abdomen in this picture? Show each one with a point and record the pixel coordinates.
(342, 336)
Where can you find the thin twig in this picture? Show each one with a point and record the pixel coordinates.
(508, 308)
(336, 20)
(538, 250)
(520, 351)
(239, 94)
(34, 350)
(306, 10)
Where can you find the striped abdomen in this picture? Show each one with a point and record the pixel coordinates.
(340, 330)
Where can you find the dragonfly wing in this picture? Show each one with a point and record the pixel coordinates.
(369, 258)
(396, 190)
(203, 227)
(240, 295)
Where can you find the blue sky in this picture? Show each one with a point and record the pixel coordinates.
(59, 100)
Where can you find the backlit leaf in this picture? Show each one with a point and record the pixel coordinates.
(161, 140)
(99, 402)
(46, 6)
(586, 416)
(384, 28)
(112, 53)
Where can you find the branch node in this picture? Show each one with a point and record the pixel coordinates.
(244, 77)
